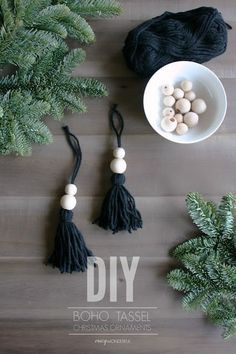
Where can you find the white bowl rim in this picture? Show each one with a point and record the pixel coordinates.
(196, 140)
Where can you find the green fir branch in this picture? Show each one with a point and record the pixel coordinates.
(226, 212)
(41, 83)
(93, 8)
(203, 213)
(208, 274)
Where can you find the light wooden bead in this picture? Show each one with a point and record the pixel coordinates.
(68, 202)
(183, 105)
(169, 124)
(199, 106)
(169, 101)
(190, 95)
(167, 89)
(186, 85)
(178, 93)
(179, 118)
(71, 189)
(181, 129)
(118, 165)
(191, 119)
(119, 153)
(168, 112)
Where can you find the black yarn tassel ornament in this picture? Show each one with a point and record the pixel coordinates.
(118, 211)
(70, 251)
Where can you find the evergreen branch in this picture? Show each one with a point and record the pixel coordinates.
(182, 280)
(222, 313)
(229, 330)
(195, 299)
(20, 123)
(50, 81)
(223, 275)
(28, 19)
(32, 37)
(78, 28)
(33, 8)
(204, 214)
(200, 245)
(94, 8)
(208, 277)
(26, 47)
(87, 87)
(195, 265)
(71, 60)
(226, 212)
(7, 16)
(56, 12)
(73, 102)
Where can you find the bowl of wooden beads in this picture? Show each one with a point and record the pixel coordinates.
(185, 102)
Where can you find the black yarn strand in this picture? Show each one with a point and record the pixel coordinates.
(115, 114)
(196, 35)
(75, 146)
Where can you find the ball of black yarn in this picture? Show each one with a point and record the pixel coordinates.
(196, 35)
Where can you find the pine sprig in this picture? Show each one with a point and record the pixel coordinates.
(20, 123)
(93, 8)
(53, 83)
(203, 213)
(71, 60)
(208, 276)
(201, 245)
(32, 37)
(227, 211)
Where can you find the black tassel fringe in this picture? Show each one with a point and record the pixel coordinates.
(119, 212)
(70, 251)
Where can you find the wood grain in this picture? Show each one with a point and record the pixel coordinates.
(155, 167)
(34, 299)
(165, 224)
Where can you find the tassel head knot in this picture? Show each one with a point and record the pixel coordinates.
(117, 179)
(66, 215)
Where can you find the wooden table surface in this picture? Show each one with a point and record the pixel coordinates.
(34, 317)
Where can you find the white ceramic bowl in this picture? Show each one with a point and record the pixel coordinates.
(206, 85)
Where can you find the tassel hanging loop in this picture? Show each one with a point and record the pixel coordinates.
(70, 251)
(114, 113)
(75, 147)
(118, 212)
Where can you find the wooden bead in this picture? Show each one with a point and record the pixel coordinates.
(118, 165)
(181, 129)
(183, 105)
(199, 106)
(119, 153)
(191, 119)
(186, 85)
(71, 189)
(68, 202)
(168, 112)
(179, 118)
(178, 93)
(168, 124)
(169, 101)
(190, 95)
(167, 89)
